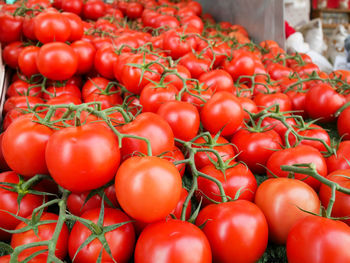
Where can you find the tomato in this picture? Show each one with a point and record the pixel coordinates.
(134, 10)
(341, 207)
(158, 187)
(278, 71)
(242, 64)
(21, 102)
(96, 85)
(38, 259)
(247, 105)
(312, 131)
(51, 26)
(322, 101)
(27, 60)
(44, 232)
(173, 156)
(339, 160)
(194, 23)
(281, 201)
(178, 43)
(23, 146)
(9, 203)
(266, 100)
(57, 61)
(153, 96)
(11, 52)
(301, 154)
(196, 94)
(179, 207)
(256, 147)
(151, 126)
(3, 164)
(182, 117)
(22, 88)
(74, 6)
(197, 64)
(218, 143)
(237, 231)
(68, 89)
(10, 28)
(120, 240)
(175, 80)
(132, 77)
(343, 124)
(298, 100)
(235, 178)
(278, 126)
(217, 80)
(172, 241)
(225, 109)
(320, 240)
(76, 26)
(73, 156)
(105, 59)
(94, 9)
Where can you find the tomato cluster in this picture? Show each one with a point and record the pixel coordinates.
(144, 131)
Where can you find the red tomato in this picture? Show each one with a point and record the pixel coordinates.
(73, 157)
(121, 240)
(172, 241)
(339, 160)
(234, 179)
(9, 203)
(220, 144)
(218, 80)
(341, 207)
(182, 117)
(197, 95)
(28, 27)
(11, 53)
(22, 88)
(3, 164)
(263, 101)
(23, 145)
(105, 59)
(247, 105)
(85, 52)
(134, 10)
(173, 156)
(343, 124)
(177, 43)
(21, 102)
(158, 187)
(225, 109)
(281, 201)
(318, 239)
(242, 64)
(237, 231)
(151, 126)
(51, 26)
(175, 80)
(322, 101)
(179, 207)
(10, 28)
(74, 6)
(27, 60)
(57, 61)
(76, 26)
(94, 9)
(44, 232)
(68, 89)
(197, 64)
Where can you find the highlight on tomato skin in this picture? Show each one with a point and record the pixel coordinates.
(147, 131)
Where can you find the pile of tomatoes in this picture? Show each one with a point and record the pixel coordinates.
(144, 131)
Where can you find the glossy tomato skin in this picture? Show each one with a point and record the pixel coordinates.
(341, 206)
(76, 26)
(85, 52)
(173, 156)
(57, 61)
(27, 60)
(300, 154)
(121, 241)
(320, 240)
(227, 112)
(11, 52)
(148, 188)
(152, 127)
(10, 28)
(236, 178)
(343, 124)
(242, 64)
(237, 231)
(255, 148)
(73, 157)
(45, 232)
(23, 145)
(104, 61)
(9, 203)
(178, 209)
(182, 117)
(280, 199)
(339, 160)
(172, 241)
(218, 80)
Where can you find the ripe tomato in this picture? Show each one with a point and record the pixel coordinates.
(339, 160)
(11, 52)
(182, 117)
(341, 207)
(56, 91)
(255, 148)
(21, 102)
(343, 124)
(22, 88)
(73, 157)
(172, 241)
(197, 64)
(301, 154)
(94, 9)
(178, 43)
(9, 203)
(175, 80)
(218, 80)
(76, 26)
(151, 126)
(173, 156)
(74, 6)
(318, 239)
(237, 231)
(27, 60)
(121, 240)
(158, 187)
(196, 94)
(266, 100)
(57, 61)
(10, 27)
(134, 10)
(225, 109)
(44, 232)
(105, 59)
(51, 26)
(23, 145)
(85, 52)
(232, 179)
(281, 201)
(242, 64)
(178, 209)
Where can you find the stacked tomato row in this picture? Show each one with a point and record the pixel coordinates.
(124, 120)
